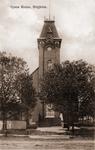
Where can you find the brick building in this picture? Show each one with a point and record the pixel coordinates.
(49, 44)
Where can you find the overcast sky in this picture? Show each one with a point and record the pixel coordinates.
(75, 22)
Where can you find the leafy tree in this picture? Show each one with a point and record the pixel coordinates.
(10, 68)
(87, 97)
(26, 94)
(68, 87)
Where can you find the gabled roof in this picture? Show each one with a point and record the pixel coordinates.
(35, 71)
(49, 28)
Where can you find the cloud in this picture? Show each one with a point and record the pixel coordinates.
(18, 33)
(75, 21)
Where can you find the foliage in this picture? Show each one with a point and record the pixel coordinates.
(14, 70)
(26, 93)
(10, 67)
(69, 88)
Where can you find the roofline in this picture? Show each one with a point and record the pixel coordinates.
(47, 21)
(43, 38)
(35, 71)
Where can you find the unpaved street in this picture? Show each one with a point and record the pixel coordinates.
(44, 143)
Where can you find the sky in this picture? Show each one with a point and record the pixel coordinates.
(74, 19)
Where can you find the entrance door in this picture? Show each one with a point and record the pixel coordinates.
(49, 112)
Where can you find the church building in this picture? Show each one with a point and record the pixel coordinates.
(49, 44)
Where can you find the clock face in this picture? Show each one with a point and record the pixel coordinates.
(49, 48)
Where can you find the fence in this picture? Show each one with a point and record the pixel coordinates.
(14, 124)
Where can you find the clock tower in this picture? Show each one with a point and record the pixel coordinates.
(49, 44)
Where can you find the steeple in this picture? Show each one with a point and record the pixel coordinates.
(49, 44)
(49, 9)
(49, 29)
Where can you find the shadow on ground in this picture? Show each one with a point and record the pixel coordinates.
(84, 132)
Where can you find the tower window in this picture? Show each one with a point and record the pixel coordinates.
(50, 64)
(57, 44)
(49, 49)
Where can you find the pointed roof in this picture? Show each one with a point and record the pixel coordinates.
(49, 28)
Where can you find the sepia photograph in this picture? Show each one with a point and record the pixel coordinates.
(47, 74)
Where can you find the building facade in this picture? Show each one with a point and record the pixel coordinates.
(49, 44)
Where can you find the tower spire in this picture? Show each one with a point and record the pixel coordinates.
(49, 9)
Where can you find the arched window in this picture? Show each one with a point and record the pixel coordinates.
(49, 49)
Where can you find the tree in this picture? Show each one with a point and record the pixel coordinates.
(10, 68)
(87, 97)
(26, 93)
(67, 87)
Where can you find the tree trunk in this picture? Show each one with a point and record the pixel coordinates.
(43, 110)
(27, 118)
(68, 127)
(4, 124)
(82, 120)
(72, 128)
